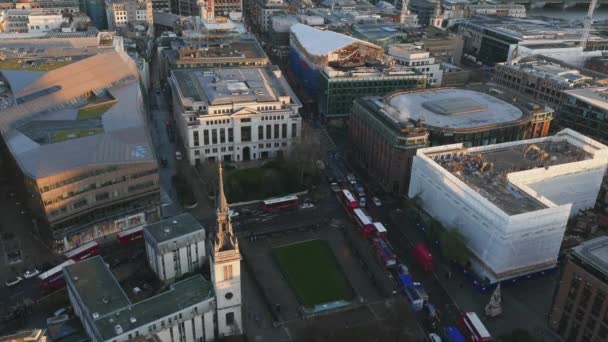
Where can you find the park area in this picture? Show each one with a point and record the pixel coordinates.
(313, 273)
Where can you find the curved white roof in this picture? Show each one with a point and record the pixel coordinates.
(319, 43)
(451, 108)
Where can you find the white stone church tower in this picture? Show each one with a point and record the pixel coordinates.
(226, 271)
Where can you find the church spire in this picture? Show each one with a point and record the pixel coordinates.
(225, 236)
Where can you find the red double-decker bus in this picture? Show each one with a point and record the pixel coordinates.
(363, 221)
(280, 203)
(473, 328)
(53, 278)
(85, 251)
(349, 199)
(126, 237)
(380, 230)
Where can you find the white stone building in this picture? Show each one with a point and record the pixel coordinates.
(235, 113)
(175, 246)
(124, 12)
(413, 57)
(191, 310)
(510, 201)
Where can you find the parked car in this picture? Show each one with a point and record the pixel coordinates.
(307, 206)
(233, 213)
(403, 269)
(362, 202)
(178, 155)
(376, 201)
(434, 337)
(335, 187)
(13, 282)
(29, 274)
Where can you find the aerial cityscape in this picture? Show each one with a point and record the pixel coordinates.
(303, 170)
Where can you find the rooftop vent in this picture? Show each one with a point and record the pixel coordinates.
(105, 300)
(118, 329)
(175, 221)
(95, 315)
(166, 230)
(133, 319)
(75, 278)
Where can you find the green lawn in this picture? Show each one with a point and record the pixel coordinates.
(313, 272)
(75, 133)
(93, 112)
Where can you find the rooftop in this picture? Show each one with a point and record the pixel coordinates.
(233, 84)
(594, 253)
(46, 133)
(499, 172)
(381, 30)
(100, 293)
(174, 227)
(318, 42)
(597, 96)
(241, 49)
(450, 109)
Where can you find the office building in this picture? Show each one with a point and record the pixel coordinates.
(333, 69)
(385, 132)
(96, 10)
(57, 5)
(77, 140)
(512, 201)
(579, 311)
(586, 110)
(262, 12)
(544, 79)
(124, 12)
(386, 34)
(235, 114)
(414, 57)
(175, 246)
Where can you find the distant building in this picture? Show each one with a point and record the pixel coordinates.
(124, 12)
(586, 110)
(579, 308)
(413, 57)
(511, 202)
(385, 34)
(33, 335)
(76, 138)
(37, 21)
(543, 79)
(453, 75)
(333, 69)
(96, 10)
(492, 39)
(235, 114)
(444, 47)
(60, 5)
(385, 132)
(175, 246)
(263, 10)
(459, 9)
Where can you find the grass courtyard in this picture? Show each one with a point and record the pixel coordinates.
(75, 133)
(93, 112)
(313, 272)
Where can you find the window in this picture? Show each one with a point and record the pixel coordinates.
(206, 137)
(276, 131)
(230, 135)
(284, 131)
(268, 132)
(246, 133)
(227, 272)
(222, 135)
(260, 132)
(102, 196)
(229, 296)
(214, 136)
(246, 120)
(294, 130)
(195, 138)
(230, 318)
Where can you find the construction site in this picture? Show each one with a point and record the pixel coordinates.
(510, 201)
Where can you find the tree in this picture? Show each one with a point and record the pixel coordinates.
(304, 154)
(453, 246)
(209, 173)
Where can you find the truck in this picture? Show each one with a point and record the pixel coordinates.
(423, 257)
(473, 328)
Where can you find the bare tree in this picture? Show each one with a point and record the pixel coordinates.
(305, 152)
(209, 173)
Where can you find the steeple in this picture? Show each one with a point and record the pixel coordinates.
(437, 19)
(225, 236)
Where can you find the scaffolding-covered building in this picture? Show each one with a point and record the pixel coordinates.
(510, 201)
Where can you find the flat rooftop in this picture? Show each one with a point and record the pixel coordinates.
(233, 84)
(381, 31)
(491, 181)
(174, 227)
(597, 96)
(562, 73)
(237, 49)
(101, 294)
(451, 109)
(594, 253)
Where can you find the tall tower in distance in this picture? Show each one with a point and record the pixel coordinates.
(437, 18)
(226, 270)
(207, 8)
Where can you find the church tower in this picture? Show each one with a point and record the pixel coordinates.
(226, 271)
(437, 18)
